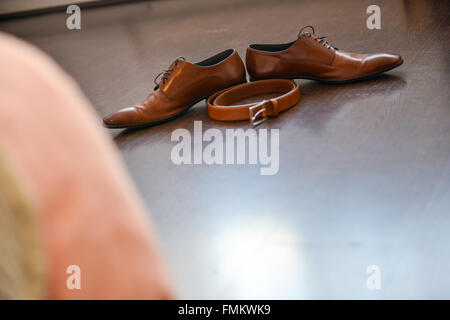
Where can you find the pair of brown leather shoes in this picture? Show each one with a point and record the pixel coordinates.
(309, 57)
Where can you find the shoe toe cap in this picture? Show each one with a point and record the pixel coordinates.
(381, 62)
(122, 118)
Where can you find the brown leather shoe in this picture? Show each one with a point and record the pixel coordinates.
(181, 86)
(311, 57)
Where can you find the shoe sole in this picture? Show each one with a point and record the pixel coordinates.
(370, 76)
(154, 123)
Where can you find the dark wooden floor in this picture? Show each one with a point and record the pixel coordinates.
(364, 173)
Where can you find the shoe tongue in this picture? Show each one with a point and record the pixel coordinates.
(177, 61)
(173, 64)
(175, 77)
(173, 67)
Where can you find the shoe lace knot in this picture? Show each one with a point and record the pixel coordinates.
(163, 76)
(304, 32)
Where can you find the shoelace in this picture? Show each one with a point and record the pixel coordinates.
(166, 73)
(319, 39)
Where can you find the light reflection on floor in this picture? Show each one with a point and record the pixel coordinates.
(260, 260)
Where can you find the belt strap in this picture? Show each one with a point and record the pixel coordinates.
(221, 105)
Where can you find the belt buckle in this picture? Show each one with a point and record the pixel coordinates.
(253, 117)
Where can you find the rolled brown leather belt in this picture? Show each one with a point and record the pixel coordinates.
(221, 105)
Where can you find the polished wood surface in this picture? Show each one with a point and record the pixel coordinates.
(364, 173)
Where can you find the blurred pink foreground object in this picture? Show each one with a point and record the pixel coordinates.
(87, 211)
